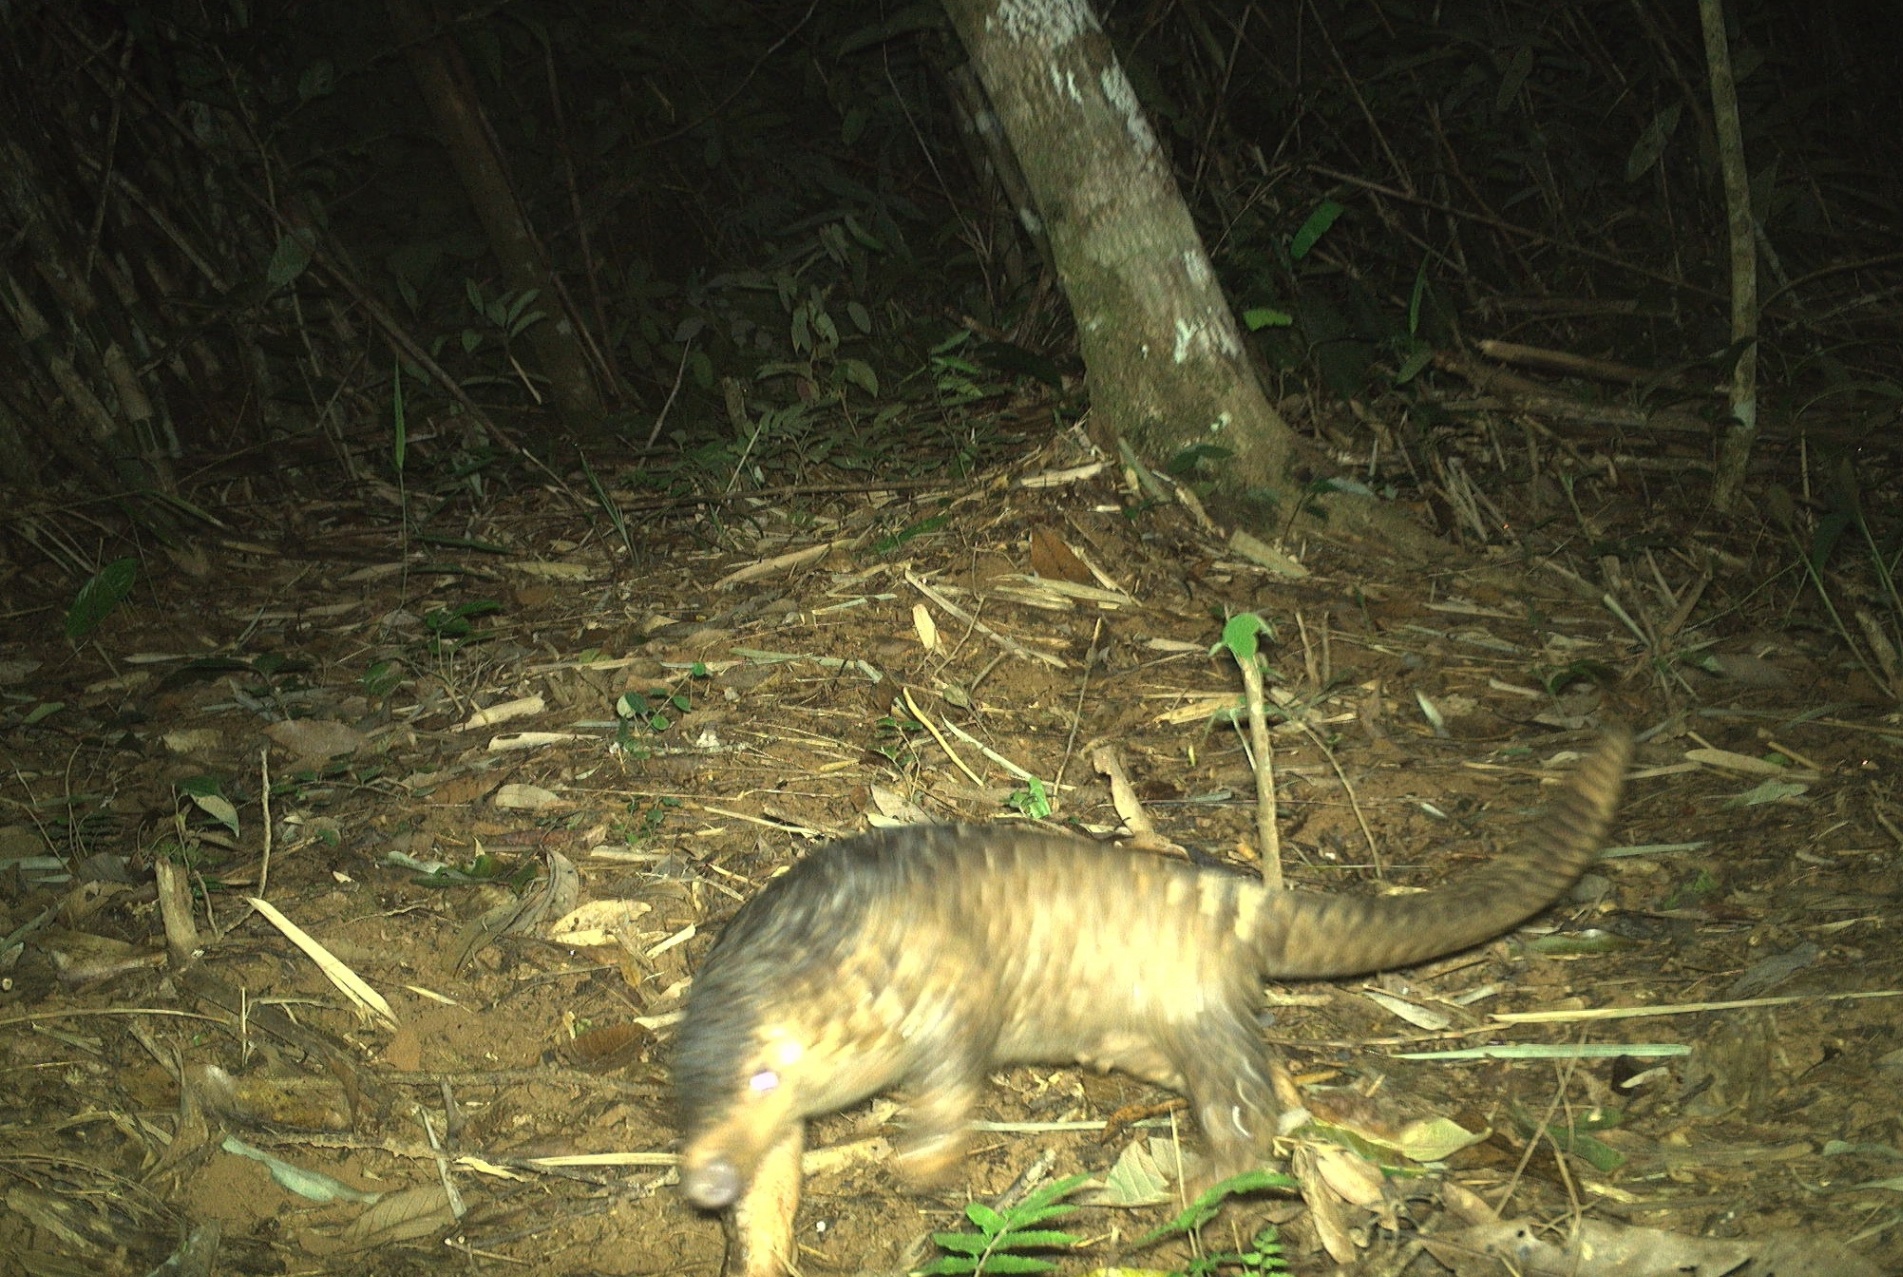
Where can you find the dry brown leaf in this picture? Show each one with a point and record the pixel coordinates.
(405, 1215)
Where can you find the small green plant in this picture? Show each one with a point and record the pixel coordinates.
(507, 317)
(106, 590)
(1687, 894)
(1031, 800)
(1240, 639)
(609, 508)
(1002, 1235)
(207, 795)
(956, 378)
(929, 524)
(1574, 1136)
(451, 625)
(1265, 1248)
(1263, 1256)
(649, 819)
(652, 707)
(895, 740)
(381, 679)
(482, 869)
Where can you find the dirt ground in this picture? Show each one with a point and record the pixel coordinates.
(324, 717)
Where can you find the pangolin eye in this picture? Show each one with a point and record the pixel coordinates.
(763, 1081)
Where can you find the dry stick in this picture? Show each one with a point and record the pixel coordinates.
(264, 801)
(1566, 1070)
(1076, 716)
(1004, 641)
(457, 1207)
(1566, 363)
(173, 881)
(926, 722)
(1354, 803)
(1308, 655)
(1734, 454)
(81, 1013)
(1684, 1008)
(1523, 394)
(782, 490)
(1268, 839)
(660, 417)
(102, 204)
(1123, 795)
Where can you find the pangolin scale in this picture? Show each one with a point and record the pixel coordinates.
(927, 956)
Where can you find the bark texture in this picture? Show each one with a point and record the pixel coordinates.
(1163, 352)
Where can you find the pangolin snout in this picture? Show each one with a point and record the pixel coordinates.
(713, 1186)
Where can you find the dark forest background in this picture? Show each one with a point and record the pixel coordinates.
(233, 233)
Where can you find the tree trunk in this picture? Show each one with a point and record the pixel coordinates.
(445, 84)
(1161, 347)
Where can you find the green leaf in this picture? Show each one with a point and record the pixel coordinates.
(1187, 462)
(288, 259)
(1829, 529)
(985, 1217)
(98, 597)
(1036, 1239)
(1414, 306)
(1652, 142)
(1017, 1264)
(220, 809)
(853, 125)
(1055, 1191)
(520, 304)
(1576, 943)
(963, 1243)
(1032, 800)
(1203, 1209)
(1770, 791)
(313, 1185)
(1024, 1215)
(1517, 71)
(931, 523)
(399, 421)
(1239, 635)
(1324, 216)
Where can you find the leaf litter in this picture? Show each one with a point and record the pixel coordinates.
(949, 654)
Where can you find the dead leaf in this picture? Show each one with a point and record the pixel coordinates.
(315, 741)
(1055, 561)
(406, 1215)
